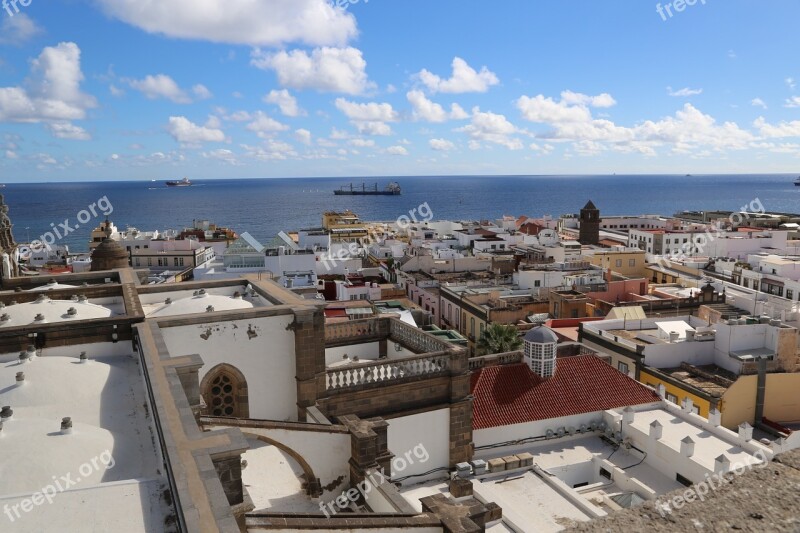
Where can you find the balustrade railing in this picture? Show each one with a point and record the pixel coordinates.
(387, 370)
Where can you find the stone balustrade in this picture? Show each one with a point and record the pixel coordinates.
(495, 359)
(387, 370)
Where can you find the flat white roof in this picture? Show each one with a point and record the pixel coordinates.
(53, 311)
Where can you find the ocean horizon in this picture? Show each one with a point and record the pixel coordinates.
(265, 206)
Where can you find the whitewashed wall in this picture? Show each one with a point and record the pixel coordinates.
(430, 430)
(267, 360)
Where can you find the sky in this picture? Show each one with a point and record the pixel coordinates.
(161, 89)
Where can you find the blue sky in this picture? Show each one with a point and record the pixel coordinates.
(158, 89)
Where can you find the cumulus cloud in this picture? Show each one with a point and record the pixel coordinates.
(464, 79)
(492, 128)
(285, 102)
(396, 150)
(303, 135)
(67, 130)
(338, 70)
(265, 126)
(794, 101)
(222, 154)
(441, 145)
(201, 92)
(429, 111)
(187, 132)
(369, 118)
(51, 93)
(780, 130)
(247, 22)
(758, 102)
(18, 30)
(160, 86)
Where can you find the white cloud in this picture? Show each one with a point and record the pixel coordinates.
(396, 150)
(369, 118)
(285, 101)
(201, 92)
(116, 91)
(18, 30)
(542, 148)
(758, 102)
(794, 101)
(271, 150)
(790, 82)
(429, 111)
(361, 143)
(187, 132)
(686, 91)
(222, 154)
(247, 22)
(265, 126)
(339, 70)
(775, 131)
(601, 100)
(493, 128)
(303, 135)
(67, 130)
(52, 93)
(441, 145)
(160, 86)
(464, 79)
(544, 109)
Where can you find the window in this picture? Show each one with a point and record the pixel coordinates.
(225, 392)
(631, 262)
(790, 294)
(683, 480)
(672, 398)
(537, 283)
(605, 473)
(622, 367)
(619, 263)
(472, 326)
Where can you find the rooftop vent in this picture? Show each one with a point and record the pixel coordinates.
(201, 292)
(66, 425)
(74, 298)
(83, 357)
(2, 305)
(20, 377)
(210, 309)
(195, 293)
(39, 317)
(5, 317)
(72, 311)
(6, 412)
(42, 298)
(168, 301)
(237, 295)
(24, 357)
(82, 298)
(355, 359)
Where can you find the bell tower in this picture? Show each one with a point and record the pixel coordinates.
(590, 224)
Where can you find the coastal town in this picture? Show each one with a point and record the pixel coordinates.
(585, 371)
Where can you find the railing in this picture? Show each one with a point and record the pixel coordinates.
(416, 339)
(495, 359)
(386, 371)
(354, 329)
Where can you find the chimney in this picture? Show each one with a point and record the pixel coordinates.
(628, 415)
(661, 390)
(66, 425)
(84, 357)
(20, 378)
(722, 464)
(5, 413)
(688, 405)
(715, 418)
(687, 446)
(745, 431)
(656, 430)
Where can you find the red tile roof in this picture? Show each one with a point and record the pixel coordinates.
(513, 394)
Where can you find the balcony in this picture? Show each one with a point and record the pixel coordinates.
(429, 365)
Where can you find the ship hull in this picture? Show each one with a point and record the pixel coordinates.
(366, 193)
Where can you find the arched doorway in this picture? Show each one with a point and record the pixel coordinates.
(224, 390)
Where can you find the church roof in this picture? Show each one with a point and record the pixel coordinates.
(590, 205)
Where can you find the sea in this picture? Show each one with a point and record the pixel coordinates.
(263, 207)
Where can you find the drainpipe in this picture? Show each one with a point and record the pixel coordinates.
(761, 389)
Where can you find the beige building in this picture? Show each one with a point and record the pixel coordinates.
(629, 263)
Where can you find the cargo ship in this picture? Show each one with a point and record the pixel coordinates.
(392, 189)
(797, 182)
(182, 183)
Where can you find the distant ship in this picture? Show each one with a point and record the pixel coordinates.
(392, 189)
(797, 182)
(182, 183)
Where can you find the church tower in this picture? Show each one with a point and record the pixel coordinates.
(590, 224)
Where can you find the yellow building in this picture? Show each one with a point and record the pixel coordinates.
(344, 226)
(629, 263)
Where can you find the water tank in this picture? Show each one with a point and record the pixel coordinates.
(673, 336)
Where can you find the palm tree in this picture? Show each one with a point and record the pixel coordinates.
(498, 338)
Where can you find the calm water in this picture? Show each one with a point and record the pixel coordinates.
(266, 206)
